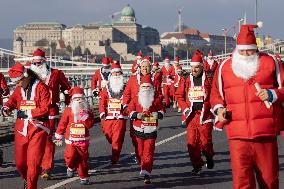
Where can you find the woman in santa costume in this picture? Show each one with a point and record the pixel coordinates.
(210, 65)
(112, 113)
(75, 123)
(246, 96)
(168, 72)
(31, 99)
(56, 82)
(145, 110)
(193, 97)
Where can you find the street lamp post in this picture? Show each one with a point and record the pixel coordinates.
(240, 20)
(255, 11)
(225, 36)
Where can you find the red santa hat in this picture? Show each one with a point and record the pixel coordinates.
(277, 56)
(39, 55)
(139, 55)
(196, 59)
(176, 60)
(115, 67)
(146, 81)
(105, 61)
(246, 38)
(146, 59)
(166, 58)
(76, 92)
(156, 64)
(179, 68)
(110, 60)
(17, 72)
(210, 54)
(28, 65)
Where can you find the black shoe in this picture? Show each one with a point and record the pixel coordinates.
(196, 171)
(1, 158)
(147, 179)
(209, 163)
(25, 184)
(112, 162)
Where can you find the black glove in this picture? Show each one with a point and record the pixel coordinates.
(134, 115)
(21, 114)
(95, 93)
(160, 115)
(5, 111)
(2, 91)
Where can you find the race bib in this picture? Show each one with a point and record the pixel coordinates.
(196, 94)
(114, 106)
(77, 130)
(27, 105)
(149, 121)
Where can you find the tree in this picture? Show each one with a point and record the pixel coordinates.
(42, 43)
(53, 47)
(77, 51)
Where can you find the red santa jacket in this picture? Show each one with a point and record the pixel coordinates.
(98, 80)
(147, 125)
(132, 88)
(74, 131)
(4, 87)
(56, 82)
(37, 107)
(111, 105)
(210, 68)
(168, 75)
(186, 89)
(249, 116)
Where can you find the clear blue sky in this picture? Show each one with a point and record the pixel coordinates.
(206, 15)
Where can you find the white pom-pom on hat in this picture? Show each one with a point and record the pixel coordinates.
(259, 24)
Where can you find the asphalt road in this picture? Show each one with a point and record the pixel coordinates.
(172, 166)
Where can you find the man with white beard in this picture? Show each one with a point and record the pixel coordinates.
(246, 97)
(75, 123)
(111, 111)
(168, 72)
(56, 82)
(145, 110)
(210, 65)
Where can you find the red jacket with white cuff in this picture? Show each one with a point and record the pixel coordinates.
(168, 75)
(4, 87)
(149, 125)
(74, 131)
(249, 116)
(184, 101)
(111, 105)
(98, 81)
(36, 107)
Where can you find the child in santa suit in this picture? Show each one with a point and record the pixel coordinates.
(145, 110)
(75, 123)
(111, 111)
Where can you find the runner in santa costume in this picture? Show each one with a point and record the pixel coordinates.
(177, 80)
(210, 65)
(168, 72)
(193, 97)
(132, 88)
(175, 66)
(75, 123)
(136, 64)
(112, 113)
(31, 99)
(56, 82)
(145, 110)
(156, 74)
(100, 78)
(246, 95)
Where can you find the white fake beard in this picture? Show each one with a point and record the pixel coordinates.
(167, 65)
(210, 61)
(244, 67)
(77, 107)
(116, 83)
(42, 71)
(146, 98)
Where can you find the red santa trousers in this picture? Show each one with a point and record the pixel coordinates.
(76, 157)
(259, 156)
(282, 133)
(168, 94)
(114, 131)
(28, 154)
(48, 158)
(199, 139)
(146, 150)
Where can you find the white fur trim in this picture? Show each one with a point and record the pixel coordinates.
(102, 114)
(116, 70)
(195, 63)
(275, 97)
(185, 111)
(217, 129)
(216, 107)
(15, 79)
(144, 172)
(246, 47)
(39, 58)
(29, 112)
(220, 85)
(58, 136)
(77, 95)
(138, 56)
(130, 115)
(66, 92)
